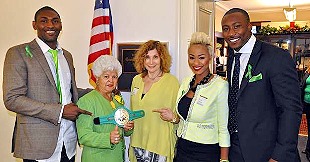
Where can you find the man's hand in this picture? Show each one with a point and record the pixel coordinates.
(71, 112)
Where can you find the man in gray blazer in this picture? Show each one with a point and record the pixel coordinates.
(41, 90)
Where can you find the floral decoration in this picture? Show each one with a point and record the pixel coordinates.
(267, 30)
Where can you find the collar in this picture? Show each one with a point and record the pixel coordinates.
(248, 47)
(44, 47)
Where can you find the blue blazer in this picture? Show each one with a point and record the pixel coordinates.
(268, 109)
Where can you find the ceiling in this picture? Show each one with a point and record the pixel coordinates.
(264, 5)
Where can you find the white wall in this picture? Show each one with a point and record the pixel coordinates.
(134, 21)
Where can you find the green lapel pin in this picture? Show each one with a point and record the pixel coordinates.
(28, 52)
(249, 73)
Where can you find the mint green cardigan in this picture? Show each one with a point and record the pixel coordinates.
(208, 113)
(96, 138)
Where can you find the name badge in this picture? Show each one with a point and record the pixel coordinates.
(135, 91)
(202, 100)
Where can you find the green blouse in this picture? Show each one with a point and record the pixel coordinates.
(96, 138)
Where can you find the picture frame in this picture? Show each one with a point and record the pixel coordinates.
(125, 55)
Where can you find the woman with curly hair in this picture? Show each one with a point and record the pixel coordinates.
(153, 139)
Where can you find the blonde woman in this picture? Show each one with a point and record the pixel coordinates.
(202, 109)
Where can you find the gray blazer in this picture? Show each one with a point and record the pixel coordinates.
(30, 91)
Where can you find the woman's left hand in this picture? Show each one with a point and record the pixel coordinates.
(129, 126)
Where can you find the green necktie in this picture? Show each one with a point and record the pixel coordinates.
(55, 59)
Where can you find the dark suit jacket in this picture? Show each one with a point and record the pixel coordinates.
(30, 91)
(303, 85)
(269, 110)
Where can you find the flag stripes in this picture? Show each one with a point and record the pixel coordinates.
(101, 39)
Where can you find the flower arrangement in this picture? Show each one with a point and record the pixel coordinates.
(267, 30)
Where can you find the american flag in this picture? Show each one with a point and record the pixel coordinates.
(101, 39)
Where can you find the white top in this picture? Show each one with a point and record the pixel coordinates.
(67, 133)
(245, 51)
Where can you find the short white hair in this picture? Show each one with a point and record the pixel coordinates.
(106, 63)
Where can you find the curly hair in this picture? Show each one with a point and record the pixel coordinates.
(201, 38)
(140, 55)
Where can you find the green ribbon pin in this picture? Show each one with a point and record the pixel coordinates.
(28, 52)
(249, 73)
(251, 77)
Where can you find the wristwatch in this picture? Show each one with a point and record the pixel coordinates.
(119, 117)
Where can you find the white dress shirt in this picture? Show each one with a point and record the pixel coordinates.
(245, 51)
(67, 133)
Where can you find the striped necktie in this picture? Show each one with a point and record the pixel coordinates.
(55, 59)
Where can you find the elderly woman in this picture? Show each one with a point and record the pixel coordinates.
(154, 88)
(102, 142)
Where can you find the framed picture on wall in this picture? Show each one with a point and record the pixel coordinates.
(125, 55)
(126, 52)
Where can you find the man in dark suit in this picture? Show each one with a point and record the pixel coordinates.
(264, 95)
(41, 89)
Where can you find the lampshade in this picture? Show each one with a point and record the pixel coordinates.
(290, 13)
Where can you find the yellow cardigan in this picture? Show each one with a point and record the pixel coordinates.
(150, 132)
(207, 118)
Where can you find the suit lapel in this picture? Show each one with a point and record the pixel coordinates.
(254, 58)
(38, 54)
(229, 64)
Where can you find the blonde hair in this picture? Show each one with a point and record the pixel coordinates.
(201, 38)
(140, 55)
